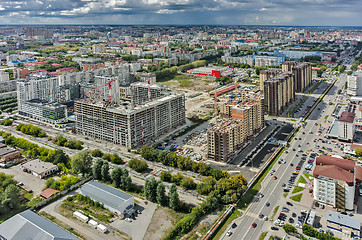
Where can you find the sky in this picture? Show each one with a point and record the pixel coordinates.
(183, 12)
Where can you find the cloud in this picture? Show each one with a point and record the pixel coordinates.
(238, 12)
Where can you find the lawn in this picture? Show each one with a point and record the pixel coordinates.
(297, 189)
(274, 212)
(297, 198)
(302, 180)
(285, 195)
(263, 235)
(308, 175)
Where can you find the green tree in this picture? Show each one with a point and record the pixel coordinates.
(97, 169)
(97, 153)
(82, 163)
(289, 228)
(174, 201)
(138, 165)
(166, 176)
(115, 159)
(358, 152)
(116, 176)
(105, 172)
(11, 197)
(188, 183)
(151, 189)
(161, 194)
(206, 186)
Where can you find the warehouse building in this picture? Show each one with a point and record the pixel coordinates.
(39, 168)
(113, 199)
(212, 71)
(29, 225)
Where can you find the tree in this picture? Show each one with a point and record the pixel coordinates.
(166, 176)
(97, 169)
(11, 197)
(289, 228)
(319, 73)
(115, 159)
(161, 194)
(138, 165)
(151, 190)
(97, 153)
(82, 162)
(105, 172)
(116, 176)
(60, 157)
(248, 72)
(358, 152)
(188, 183)
(206, 186)
(174, 201)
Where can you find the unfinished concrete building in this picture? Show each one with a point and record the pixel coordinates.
(132, 123)
(245, 118)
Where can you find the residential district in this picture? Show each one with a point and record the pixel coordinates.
(180, 132)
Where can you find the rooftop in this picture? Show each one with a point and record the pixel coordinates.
(29, 225)
(344, 220)
(38, 166)
(105, 194)
(347, 117)
(333, 171)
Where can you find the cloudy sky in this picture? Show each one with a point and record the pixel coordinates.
(235, 12)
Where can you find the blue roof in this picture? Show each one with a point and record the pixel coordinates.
(29, 225)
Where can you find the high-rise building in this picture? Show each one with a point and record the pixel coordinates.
(39, 32)
(265, 75)
(4, 76)
(302, 74)
(244, 120)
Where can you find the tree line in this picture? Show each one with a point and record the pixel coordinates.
(69, 143)
(65, 182)
(31, 130)
(9, 194)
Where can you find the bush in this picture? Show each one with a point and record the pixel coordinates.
(289, 228)
(97, 153)
(65, 182)
(31, 130)
(6, 122)
(138, 165)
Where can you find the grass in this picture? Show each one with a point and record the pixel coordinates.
(63, 225)
(297, 189)
(285, 195)
(249, 195)
(226, 223)
(274, 212)
(297, 198)
(302, 180)
(308, 175)
(263, 235)
(35, 201)
(326, 116)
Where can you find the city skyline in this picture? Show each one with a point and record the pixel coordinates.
(183, 12)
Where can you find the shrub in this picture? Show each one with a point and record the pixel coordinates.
(138, 165)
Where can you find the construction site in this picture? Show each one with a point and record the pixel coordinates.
(129, 116)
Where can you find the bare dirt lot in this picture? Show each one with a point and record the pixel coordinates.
(161, 223)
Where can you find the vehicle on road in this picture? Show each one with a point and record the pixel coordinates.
(267, 204)
(234, 225)
(229, 233)
(261, 215)
(253, 225)
(289, 203)
(261, 195)
(275, 177)
(265, 218)
(274, 228)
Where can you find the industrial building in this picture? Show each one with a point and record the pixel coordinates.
(245, 118)
(149, 112)
(29, 225)
(335, 180)
(113, 199)
(254, 60)
(39, 168)
(212, 71)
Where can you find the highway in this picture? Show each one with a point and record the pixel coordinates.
(272, 190)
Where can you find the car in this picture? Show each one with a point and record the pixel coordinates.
(261, 215)
(267, 204)
(283, 214)
(265, 218)
(289, 203)
(253, 225)
(297, 168)
(261, 195)
(229, 233)
(275, 177)
(291, 220)
(294, 214)
(291, 164)
(344, 213)
(285, 208)
(234, 225)
(274, 228)
(283, 184)
(128, 220)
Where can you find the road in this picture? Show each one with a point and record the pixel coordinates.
(272, 190)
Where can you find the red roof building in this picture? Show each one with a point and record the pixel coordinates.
(47, 193)
(347, 117)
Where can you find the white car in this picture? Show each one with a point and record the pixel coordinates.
(228, 233)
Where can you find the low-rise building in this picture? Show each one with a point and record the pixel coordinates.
(39, 168)
(212, 71)
(349, 226)
(113, 199)
(29, 225)
(7, 153)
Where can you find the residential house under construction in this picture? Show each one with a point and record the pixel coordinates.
(245, 118)
(151, 111)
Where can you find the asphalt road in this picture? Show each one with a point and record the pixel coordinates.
(272, 190)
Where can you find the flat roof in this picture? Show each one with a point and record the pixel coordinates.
(345, 220)
(347, 117)
(38, 166)
(105, 194)
(29, 225)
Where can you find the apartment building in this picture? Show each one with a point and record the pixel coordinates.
(244, 120)
(278, 93)
(346, 126)
(302, 74)
(130, 124)
(265, 75)
(334, 181)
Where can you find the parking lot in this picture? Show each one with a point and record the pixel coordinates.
(34, 183)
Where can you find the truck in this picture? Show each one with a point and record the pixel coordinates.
(24, 187)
